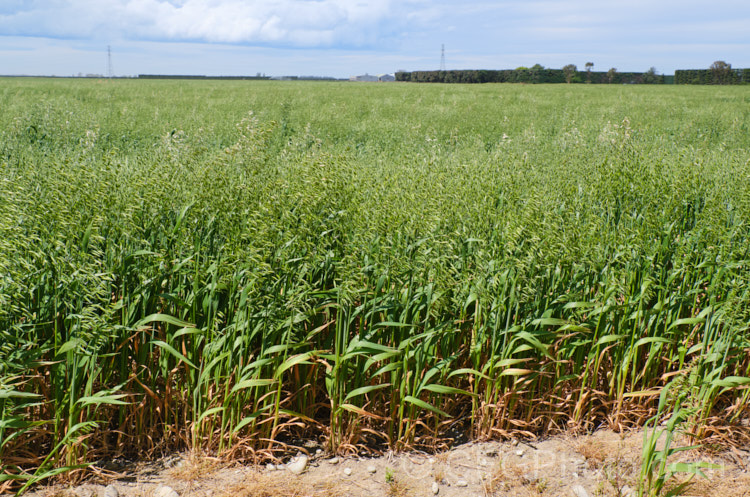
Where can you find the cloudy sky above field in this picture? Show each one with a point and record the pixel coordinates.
(345, 37)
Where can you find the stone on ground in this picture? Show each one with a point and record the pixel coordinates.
(165, 491)
(298, 464)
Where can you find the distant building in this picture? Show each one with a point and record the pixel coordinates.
(386, 78)
(364, 77)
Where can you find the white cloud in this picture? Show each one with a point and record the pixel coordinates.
(282, 22)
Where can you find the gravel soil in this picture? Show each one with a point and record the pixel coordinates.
(601, 464)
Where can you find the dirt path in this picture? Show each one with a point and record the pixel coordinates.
(602, 464)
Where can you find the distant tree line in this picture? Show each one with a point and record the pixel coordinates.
(720, 73)
(535, 74)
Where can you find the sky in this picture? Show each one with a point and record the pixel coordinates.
(341, 38)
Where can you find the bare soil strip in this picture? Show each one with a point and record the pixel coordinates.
(602, 464)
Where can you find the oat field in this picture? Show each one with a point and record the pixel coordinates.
(236, 267)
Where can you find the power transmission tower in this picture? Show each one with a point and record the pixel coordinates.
(442, 58)
(109, 62)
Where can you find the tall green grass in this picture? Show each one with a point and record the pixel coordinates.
(234, 266)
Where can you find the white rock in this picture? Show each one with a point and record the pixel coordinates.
(435, 488)
(371, 469)
(333, 460)
(348, 471)
(111, 491)
(513, 442)
(432, 460)
(462, 483)
(165, 491)
(271, 467)
(519, 453)
(579, 491)
(298, 465)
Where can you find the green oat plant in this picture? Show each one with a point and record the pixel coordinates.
(656, 470)
(235, 267)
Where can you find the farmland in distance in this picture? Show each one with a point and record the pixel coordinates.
(235, 267)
